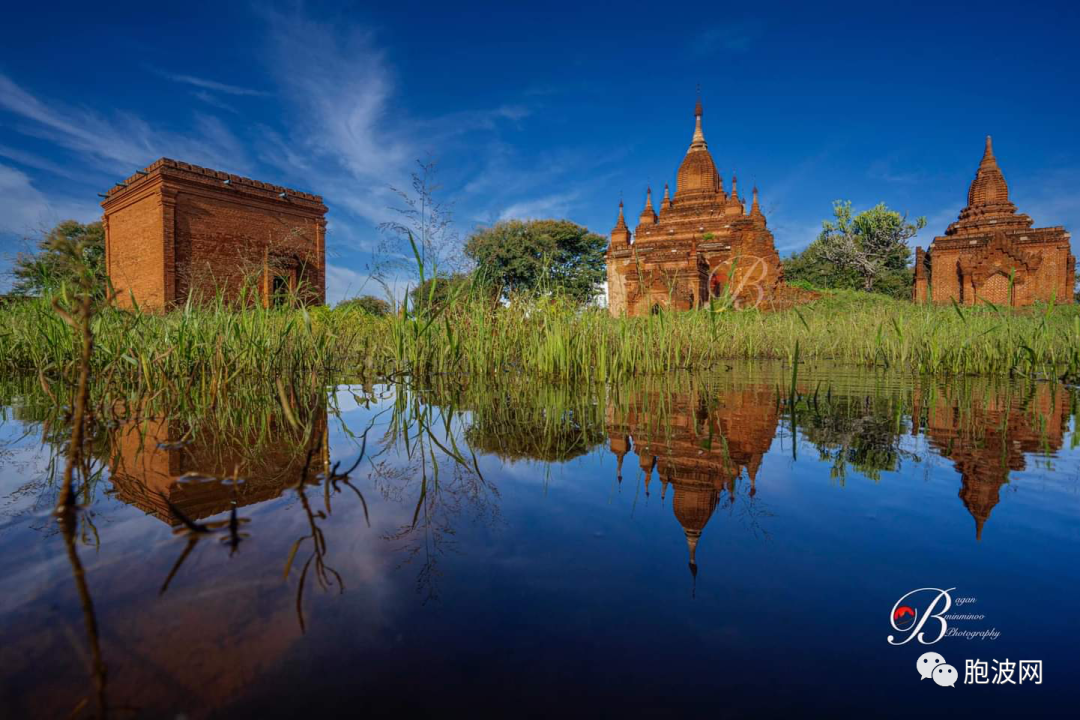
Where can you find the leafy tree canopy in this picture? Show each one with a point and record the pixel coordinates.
(367, 303)
(434, 292)
(555, 255)
(868, 251)
(52, 265)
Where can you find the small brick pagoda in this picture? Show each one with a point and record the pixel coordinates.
(685, 254)
(175, 229)
(992, 246)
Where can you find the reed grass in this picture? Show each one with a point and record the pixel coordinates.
(218, 348)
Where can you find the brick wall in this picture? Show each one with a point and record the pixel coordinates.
(222, 243)
(177, 230)
(134, 253)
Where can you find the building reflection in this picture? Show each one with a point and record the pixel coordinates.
(988, 434)
(155, 463)
(700, 443)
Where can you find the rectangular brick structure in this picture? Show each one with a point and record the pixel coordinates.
(993, 254)
(176, 230)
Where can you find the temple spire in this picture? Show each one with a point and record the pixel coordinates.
(691, 542)
(698, 143)
(988, 153)
(620, 234)
(666, 202)
(734, 186)
(648, 215)
(759, 220)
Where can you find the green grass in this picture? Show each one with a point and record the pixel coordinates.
(215, 349)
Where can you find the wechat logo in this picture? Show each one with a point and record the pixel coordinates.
(932, 665)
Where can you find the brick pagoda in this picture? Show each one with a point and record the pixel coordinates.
(989, 244)
(685, 253)
(175, 229)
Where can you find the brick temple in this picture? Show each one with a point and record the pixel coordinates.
(992, 252)
(677, 258)
(175, 230)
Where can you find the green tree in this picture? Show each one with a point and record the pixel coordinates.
(436, 291)
(38, 272)
(870, 245)
(519, 255)
(367, 303)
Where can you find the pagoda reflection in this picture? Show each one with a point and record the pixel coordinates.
(988, 434)
(699, 442)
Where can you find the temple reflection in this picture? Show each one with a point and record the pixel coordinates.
(698, 442)
(987, 435)
(158, 462)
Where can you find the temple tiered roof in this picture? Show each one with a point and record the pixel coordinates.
(988, 205)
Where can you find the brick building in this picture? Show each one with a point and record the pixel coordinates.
(175, 229)
(685, 253)
(990, 247)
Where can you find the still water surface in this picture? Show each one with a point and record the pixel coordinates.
(683, 544)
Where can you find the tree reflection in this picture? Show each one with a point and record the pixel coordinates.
(435, 471)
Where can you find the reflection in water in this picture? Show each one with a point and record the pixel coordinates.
(987, 433)
(263, 482)
(164, 466)
(700, 441)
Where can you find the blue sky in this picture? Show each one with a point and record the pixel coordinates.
(553, 111)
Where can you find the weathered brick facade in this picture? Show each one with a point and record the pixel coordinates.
(680, 257)
(993, 254)
(175, 229)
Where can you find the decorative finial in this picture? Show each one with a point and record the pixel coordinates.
(648, 215)
(734, 185)
(699, 137)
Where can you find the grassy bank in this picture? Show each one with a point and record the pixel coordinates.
(214, 347)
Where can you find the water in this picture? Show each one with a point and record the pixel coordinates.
(689, 543)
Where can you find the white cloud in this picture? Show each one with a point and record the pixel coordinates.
(24, 210)
(736, 36)
(210, 84)
(123, 141)
(39, 163)
(213, 101)
(25, 213)
(343, 283)
(551, 206)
